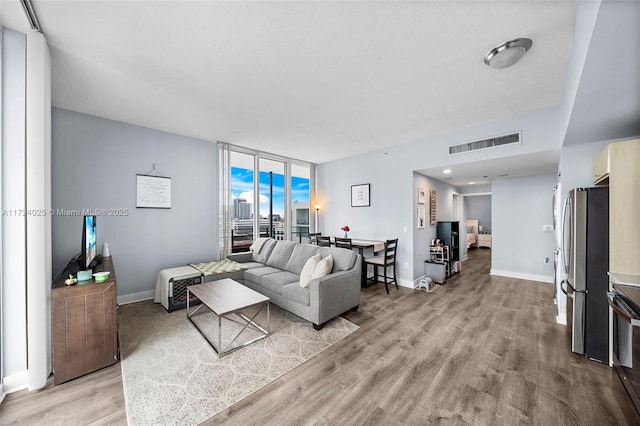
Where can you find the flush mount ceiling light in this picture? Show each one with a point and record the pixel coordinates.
(446, 171)
(508, 53)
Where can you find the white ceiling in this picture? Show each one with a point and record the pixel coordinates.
(486, 171)
(315, 81)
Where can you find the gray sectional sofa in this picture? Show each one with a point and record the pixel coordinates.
(275, 272)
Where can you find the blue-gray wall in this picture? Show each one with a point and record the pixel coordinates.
(521, 207)
(444, 212)
(479, 207)
(94, 165)
(391, 175)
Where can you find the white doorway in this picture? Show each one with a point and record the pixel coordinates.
(456, 213)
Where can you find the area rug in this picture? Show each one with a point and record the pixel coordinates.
(171, 375)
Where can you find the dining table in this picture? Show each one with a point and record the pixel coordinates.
(362, 245)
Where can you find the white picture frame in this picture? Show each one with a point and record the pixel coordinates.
(422, 217)
(422, 195)
(153, 192)
(360, 195)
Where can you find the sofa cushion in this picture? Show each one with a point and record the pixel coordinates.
(309, 268)
(343, 259)
(280, 254)
(275, 282)
(301, 253)
(251, 265)
(323, 268)
(265, 251)
(296, 293)
(255, 274)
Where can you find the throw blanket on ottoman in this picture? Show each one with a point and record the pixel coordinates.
(214, 268)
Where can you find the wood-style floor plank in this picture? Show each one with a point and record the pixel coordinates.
(479, 350)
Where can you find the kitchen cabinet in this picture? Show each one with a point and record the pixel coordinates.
(624, 204)
(602, 167)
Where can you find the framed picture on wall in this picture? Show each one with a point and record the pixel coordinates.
(421, 217)
(360, 196)
(153, 192)
(432, 207)
(422, 195)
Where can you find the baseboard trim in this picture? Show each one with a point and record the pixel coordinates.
(523, 276)
(406, 283)
(16, 382)
(136, 297)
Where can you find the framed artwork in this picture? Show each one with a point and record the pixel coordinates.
(422, 195)
(360, 196)
(421, 217)
(432, 206)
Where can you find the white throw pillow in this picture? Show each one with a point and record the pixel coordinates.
(323, 268)
(308, 269)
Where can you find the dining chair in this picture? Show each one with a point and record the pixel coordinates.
(385, 260)
(324, 241)
(343, 243)
(313, 237)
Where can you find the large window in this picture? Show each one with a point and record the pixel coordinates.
(255, 190)
(272, 219)
(242, 201)
(300, 201)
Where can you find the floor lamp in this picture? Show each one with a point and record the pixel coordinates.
(317, 206)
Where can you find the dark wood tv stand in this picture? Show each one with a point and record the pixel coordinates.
(84, 326)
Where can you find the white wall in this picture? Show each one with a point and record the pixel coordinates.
(38, 198)
(95, 162)
(14, 314)
(26, 237)
(521, 206)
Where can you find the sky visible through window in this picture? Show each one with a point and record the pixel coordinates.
(242, 187)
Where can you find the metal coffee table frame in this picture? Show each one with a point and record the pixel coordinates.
(205, 308)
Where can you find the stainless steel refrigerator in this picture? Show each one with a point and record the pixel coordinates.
(586, 259)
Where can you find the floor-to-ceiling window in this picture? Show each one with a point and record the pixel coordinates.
(255, 190)
(272, 217)
(300, 201)
(242, 200)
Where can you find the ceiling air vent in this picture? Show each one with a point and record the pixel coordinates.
(485, 143)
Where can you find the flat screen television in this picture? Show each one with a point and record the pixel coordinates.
(89, 242)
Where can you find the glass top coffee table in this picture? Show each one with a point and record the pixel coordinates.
(227, 299)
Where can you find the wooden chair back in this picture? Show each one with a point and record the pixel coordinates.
(390, 251)
(313, 237)
(343, 243)
(324, 241)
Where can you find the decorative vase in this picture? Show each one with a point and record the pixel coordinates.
(346, 235)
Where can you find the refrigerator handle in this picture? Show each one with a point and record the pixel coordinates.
(573, 290)
(566, 226)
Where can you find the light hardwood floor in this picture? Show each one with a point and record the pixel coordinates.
(479, 350)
